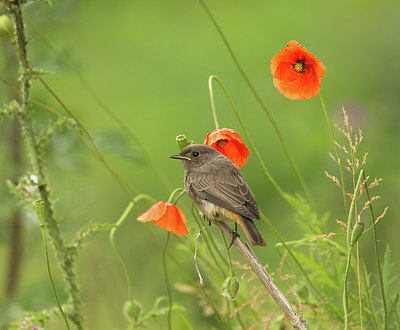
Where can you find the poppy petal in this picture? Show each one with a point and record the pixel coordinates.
(229, 143)
(173, 220)
(154, 213)
(297, 72)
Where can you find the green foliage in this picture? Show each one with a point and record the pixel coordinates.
(312, 264)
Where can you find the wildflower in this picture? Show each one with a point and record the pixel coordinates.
(167, 216)
(229, 143)
(297, 73)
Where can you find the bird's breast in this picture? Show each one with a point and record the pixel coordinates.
(214, 212)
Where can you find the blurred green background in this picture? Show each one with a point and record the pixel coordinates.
(149, 61)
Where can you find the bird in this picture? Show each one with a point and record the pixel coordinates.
(218, 189)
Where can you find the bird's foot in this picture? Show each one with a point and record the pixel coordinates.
(234, 235)
(209, 221)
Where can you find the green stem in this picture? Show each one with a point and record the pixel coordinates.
(171, 196)
(112, 241)
(260, 101)
(24, 117)
(210, 237)
(377, 258)
(368, 294)
(228, 254)
(349, 249)
(320, 295)
(339, 158)
(246, 132)
(167, 281)
(51, 277)
(213, 269)
(177, 263)
(212, 99)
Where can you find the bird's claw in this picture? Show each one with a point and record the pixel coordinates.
(234, 235)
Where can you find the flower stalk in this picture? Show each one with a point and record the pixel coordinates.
(262, 104)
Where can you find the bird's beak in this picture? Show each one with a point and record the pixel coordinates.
(179, 157)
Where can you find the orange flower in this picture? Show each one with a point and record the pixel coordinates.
(229, 143)
(297, 73)
(167, 216)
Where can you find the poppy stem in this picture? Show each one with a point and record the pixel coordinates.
(112, 242)
(262, 104)
(166, 280)
(229, 255)
(212, 99)
(337, 153)
(201, 278)
(171, 196)
(251, 143)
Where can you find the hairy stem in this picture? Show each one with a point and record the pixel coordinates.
(37, 166)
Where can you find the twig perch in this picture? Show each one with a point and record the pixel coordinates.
(265, 278)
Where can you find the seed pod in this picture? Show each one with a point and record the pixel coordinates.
(230, 288)
(40, 208)
(132, 309)
(181, 141)
(358, 229)
(6, 28)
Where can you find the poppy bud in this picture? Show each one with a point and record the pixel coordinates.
(40, 208)
(6, 28)
(230, 288)
(132, 309)
(358, 229)
(181, 141)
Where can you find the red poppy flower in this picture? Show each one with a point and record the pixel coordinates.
(297, 73)
(229, 143)
(167, 216)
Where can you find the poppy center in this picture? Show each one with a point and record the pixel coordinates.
(299, 66)
(221, 143)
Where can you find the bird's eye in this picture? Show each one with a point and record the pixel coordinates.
(195, 154)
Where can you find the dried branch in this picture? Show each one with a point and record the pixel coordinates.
(265, 278)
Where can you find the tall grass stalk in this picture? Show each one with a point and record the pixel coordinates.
(377, 258)
(349, 249)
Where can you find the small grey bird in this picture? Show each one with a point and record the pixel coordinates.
(218, 189)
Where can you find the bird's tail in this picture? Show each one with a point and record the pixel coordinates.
(251, 231)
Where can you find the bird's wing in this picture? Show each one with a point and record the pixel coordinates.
(230, 191)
